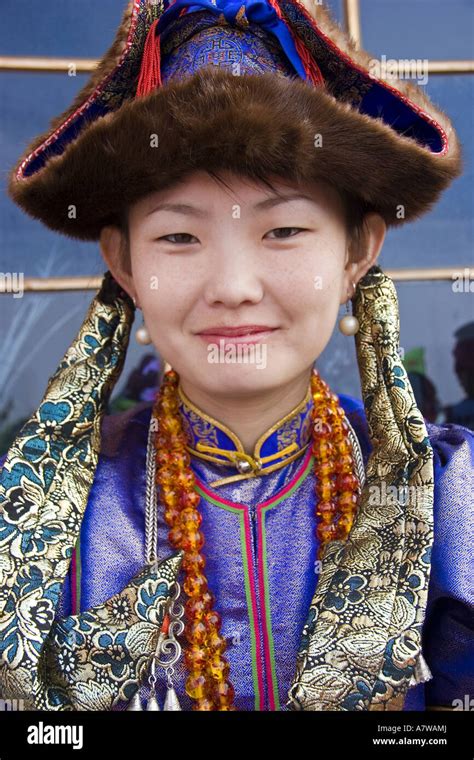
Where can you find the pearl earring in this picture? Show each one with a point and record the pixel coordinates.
(142, 335)
(348, 324)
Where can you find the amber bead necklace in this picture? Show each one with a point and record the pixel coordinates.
(337, 495)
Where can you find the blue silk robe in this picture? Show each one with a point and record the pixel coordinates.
(261, 549)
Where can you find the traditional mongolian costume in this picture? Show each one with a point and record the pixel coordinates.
(300, 592)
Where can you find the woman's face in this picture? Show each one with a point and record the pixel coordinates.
(205, 258)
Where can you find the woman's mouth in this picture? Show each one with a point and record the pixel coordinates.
(242, 334)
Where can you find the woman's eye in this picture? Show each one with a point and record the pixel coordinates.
(286, 229)
(177, 235)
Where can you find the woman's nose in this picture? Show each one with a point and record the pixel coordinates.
(233, 277)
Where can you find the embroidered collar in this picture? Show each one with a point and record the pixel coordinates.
(213, 441)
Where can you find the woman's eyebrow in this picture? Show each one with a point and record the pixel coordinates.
(188, 210)
(179, 208)
(277, 199)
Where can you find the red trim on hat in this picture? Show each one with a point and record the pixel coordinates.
(90, 99)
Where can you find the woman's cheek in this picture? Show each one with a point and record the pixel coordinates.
(156, 282)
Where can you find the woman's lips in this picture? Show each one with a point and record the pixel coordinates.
(246, 337)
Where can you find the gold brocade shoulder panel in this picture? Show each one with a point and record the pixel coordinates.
(94, 660)
(361, 645)
(44, 488)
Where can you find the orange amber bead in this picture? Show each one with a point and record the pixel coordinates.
(195, 584)
(325, 507)
(180, 459)
(218, 668)
(172, 426)
(185, 479)
(338, 437)
(196, 685)
(345, 523)
(165, 475)
(343, 449)
(326, 532)
(189, 499)
(193, 562)
(195, 657)
(170, 405)
(208, 598)
(321, 429)
(347, 501)
(346, 481)
(170, 497)
(190, 519)
(344, 464)
(325, 490)
(216, 642)
(213, 620)
(177, 441)
(325, 469)
(204, 704)
(202, 602)
(196, 632)
(196, 608)
(323, 449)
(193, 540)
(223, 691)
(175, 537)
(171, 515)
(327, 518)
(162, 458)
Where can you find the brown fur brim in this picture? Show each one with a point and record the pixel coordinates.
(254, 125)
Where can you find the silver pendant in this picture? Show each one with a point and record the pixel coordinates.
(152, 704)
(168, 649)
(167, 645)
(152, 701)
(171, 701)
(135, 702)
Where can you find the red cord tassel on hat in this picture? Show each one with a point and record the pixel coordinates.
(150, 73)
(310, 66)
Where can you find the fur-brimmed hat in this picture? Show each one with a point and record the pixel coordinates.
(261, 88)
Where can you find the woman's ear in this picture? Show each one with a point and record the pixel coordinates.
(368, 249)
(112, 246)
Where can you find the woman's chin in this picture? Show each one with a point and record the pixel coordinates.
(232, 378)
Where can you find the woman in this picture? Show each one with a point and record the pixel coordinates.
(310, 537)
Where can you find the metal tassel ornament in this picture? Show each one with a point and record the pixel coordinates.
(170, 648)
(171, 701)
(135, 703)
(152, 702)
